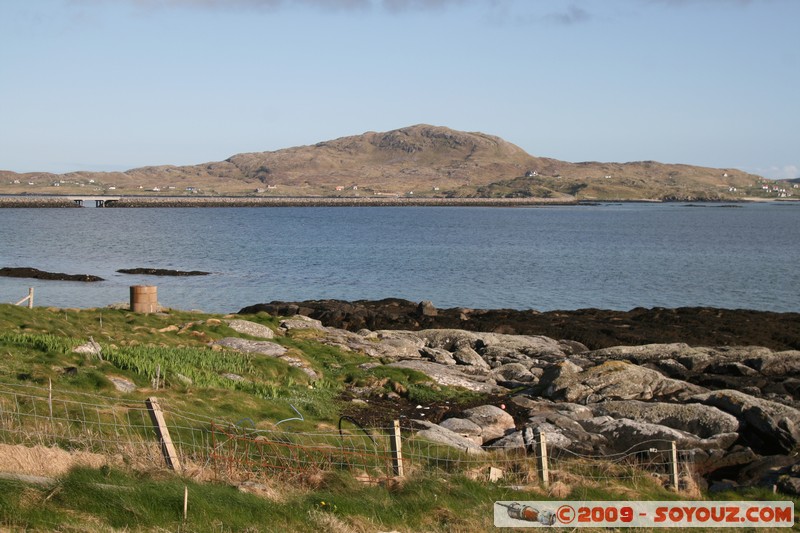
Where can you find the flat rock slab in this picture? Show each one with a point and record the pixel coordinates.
(450, 376)
(247, 346)
(122, 384)
(34, 273)
(251, 328)
(698, 419)
(439, 435)
(301, 322)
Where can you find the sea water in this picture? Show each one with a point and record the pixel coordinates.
(612, 256)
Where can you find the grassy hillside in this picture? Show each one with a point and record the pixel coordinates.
(37, 347)
(419, 161)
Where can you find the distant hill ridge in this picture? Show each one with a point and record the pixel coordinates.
(420, 160)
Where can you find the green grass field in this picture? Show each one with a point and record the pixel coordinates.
(438, 494)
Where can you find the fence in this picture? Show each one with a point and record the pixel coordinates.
(28, 298)
(140, 434)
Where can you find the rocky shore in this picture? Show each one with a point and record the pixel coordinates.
(731, 409)
(595, 328)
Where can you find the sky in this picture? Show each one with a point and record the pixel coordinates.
(119, 84)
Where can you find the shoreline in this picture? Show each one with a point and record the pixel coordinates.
(289, 201)
(66, 201)
(595, 328)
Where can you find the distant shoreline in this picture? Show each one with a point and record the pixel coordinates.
(67, 201)
(298, 201)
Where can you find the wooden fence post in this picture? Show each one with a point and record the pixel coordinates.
(673, 466)
(29, 298)
(50, 398)
(167, 448)
(397, 452)
(541, 456)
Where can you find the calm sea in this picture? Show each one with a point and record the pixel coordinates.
(614, 256)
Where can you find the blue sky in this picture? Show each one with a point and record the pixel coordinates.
(116, 84)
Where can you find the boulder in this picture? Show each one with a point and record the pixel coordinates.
(90, 347)
(465, 355)
(465, 428)
(625, 436)
(612, 380)
(439, 435)
(776, 364)
(493, 421)
(563, 432)
(451, 376)
(301, 322)
(437, 355)
(706, 461)
(426, 308)
(769, 427)
(697, 419)
(512, 375)
(646, 353)
(494, 346)
(251, 328)
(524, 439)
(448, 339)
(379, 344)
(400, 344)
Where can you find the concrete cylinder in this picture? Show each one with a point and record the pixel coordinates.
(144, 299)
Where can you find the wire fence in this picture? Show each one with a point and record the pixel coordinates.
(127, 431)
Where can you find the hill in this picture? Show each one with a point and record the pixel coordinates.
(419, 160)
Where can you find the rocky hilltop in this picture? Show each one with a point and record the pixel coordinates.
(417, 161)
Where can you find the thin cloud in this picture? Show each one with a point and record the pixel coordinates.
(573, 15)
(424, 5)
(681, 3)
(260, 5)
(786, 172)
(395, 6)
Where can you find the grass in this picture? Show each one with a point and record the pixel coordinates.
(438, 493)
(109, 500)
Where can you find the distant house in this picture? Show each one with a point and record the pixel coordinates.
(112, 188)
(340, 188)
(272, 186)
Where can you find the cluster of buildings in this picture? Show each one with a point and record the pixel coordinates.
(781, 192)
